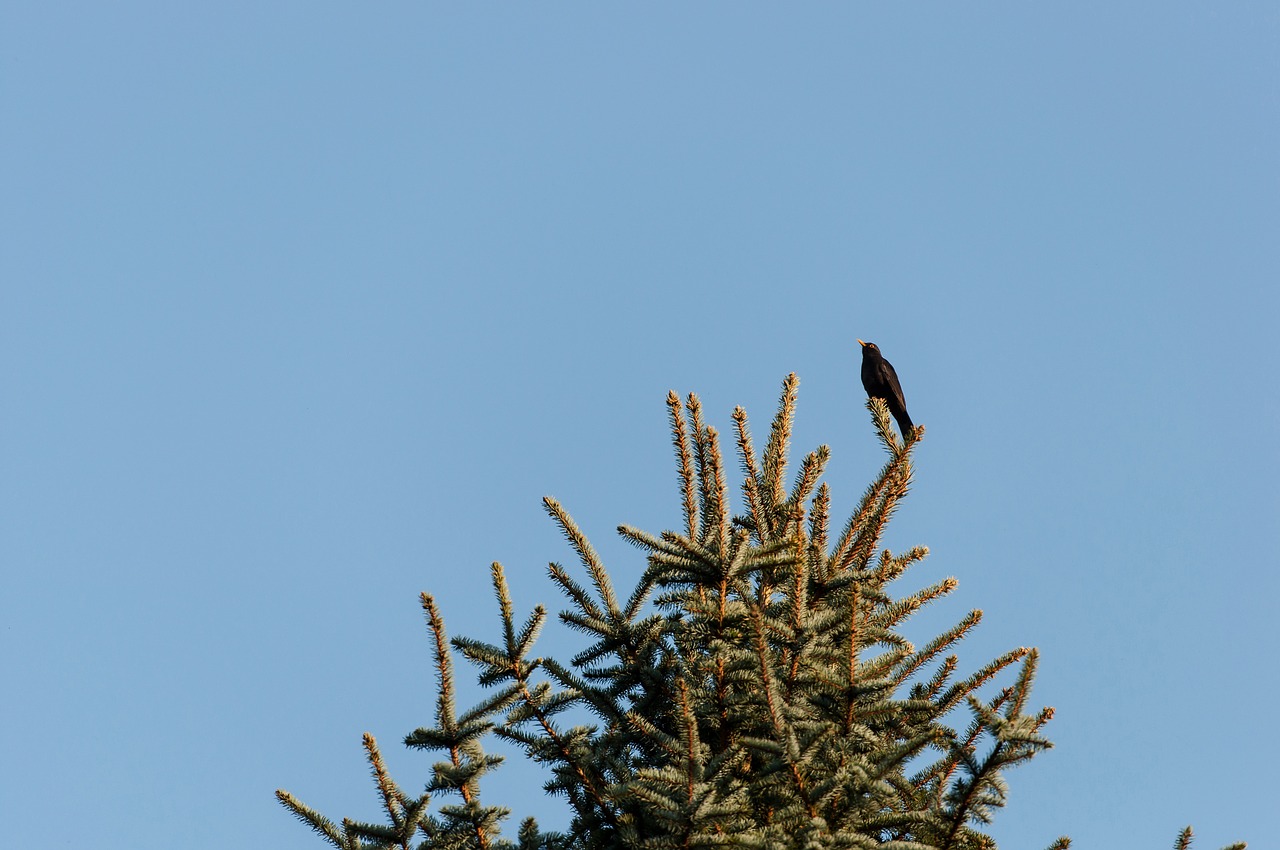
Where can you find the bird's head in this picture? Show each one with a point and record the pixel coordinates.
(868, 347)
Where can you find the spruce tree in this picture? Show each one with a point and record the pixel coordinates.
(754, 688)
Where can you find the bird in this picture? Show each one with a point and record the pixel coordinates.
(880, 381)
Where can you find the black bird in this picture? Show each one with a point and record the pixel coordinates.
(880, 381)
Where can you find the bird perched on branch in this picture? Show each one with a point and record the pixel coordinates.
(880, 381)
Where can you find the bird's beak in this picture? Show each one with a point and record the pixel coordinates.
(863, 344)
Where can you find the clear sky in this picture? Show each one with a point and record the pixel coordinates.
(304, 306)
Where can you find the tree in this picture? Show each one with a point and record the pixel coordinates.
(752, 690)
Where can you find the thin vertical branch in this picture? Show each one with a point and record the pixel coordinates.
(819, 521)
(855, 638)
(775, 453)
(702, 457)
(751, 476)
(680, 438)
(720, 504)
(443, 664)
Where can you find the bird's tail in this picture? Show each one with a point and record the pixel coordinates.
(904, 425)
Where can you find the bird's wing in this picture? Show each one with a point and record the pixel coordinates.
(891, 380)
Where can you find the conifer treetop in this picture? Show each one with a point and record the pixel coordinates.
(754, 689)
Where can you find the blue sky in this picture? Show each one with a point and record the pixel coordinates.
(304, 306)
